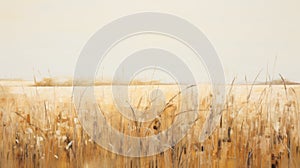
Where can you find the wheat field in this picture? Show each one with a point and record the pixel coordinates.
(259, 127)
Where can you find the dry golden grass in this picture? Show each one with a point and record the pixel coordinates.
(259, 128)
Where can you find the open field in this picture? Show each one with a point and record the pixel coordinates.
(260, 127)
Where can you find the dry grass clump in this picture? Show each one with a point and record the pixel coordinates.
(259, 128)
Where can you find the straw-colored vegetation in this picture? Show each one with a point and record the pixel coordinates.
(259, 128)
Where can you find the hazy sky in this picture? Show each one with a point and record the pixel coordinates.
(40, 36)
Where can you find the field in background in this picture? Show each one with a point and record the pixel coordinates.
(259, 128)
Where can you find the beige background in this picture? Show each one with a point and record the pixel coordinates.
(46, 37)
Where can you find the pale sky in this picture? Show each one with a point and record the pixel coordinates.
(38, 37)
